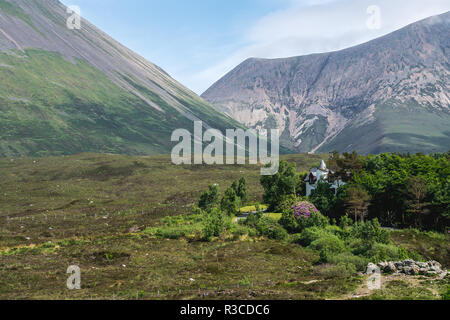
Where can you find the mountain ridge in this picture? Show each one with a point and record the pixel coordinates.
(314, 99)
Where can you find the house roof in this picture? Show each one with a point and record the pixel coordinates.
(323, 166)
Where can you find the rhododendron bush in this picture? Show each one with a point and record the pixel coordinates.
(304, 209)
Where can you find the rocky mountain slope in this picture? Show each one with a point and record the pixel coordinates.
(390, 94)
(66, 91)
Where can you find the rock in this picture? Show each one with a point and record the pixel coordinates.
(436, 269)
(408, 267)
(408, 270)
(423, 271)
(434, 264)
(391, 268)
(422, 265)
(415, 270)
(134, 229)
(409, 262)
(383, 265)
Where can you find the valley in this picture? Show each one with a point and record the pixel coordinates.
(99, 212)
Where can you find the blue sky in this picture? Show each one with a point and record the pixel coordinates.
(198, 41)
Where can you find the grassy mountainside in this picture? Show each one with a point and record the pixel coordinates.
(68, 91)
(396, 128)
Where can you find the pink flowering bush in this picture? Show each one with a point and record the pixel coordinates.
(301, 216)
(304, 209)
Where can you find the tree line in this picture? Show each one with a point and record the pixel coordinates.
(400, 190)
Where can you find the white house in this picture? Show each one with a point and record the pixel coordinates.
(321, 174)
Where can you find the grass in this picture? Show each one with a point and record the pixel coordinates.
(127, 222)
(405, 289)
(249, 209)
(275, 216)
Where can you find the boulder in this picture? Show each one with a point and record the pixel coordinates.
(423, 271)
(415, 270)
(436, 269)
(407, 270)
(408, 267)
(422, 265)
(391, 268)
(383, 265)
(434, 264)
(409, 262)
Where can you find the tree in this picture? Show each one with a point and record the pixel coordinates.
(209, 199)
(358, 201)
(346, 165)
(323, 198)
(282, 184)
(301, 184)
(230, 202)
(242, 190)
(240, 187)
(213, 224)
(417, 190)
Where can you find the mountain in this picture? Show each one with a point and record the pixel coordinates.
(66, 91)
(388, 95)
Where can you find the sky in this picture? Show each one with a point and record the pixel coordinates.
(199, 41)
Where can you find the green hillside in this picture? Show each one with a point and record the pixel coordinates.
(396, 127)
(52, 106)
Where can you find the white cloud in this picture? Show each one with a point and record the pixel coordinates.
(314, 26)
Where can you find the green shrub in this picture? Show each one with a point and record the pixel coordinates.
(242, 230)
(213, 224)
(209, 199)
(295, 238)
(334, 230)
(276, 233)
(173, 232)
(328, 245)
(315, 220)
(271, 228)
(348, 258)
(341, 270)
(310, 235)
(344, 233)
(252, 220)
(294, 224)
(371, 232)
(289, 222)
(385, 252)
(345, 222)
